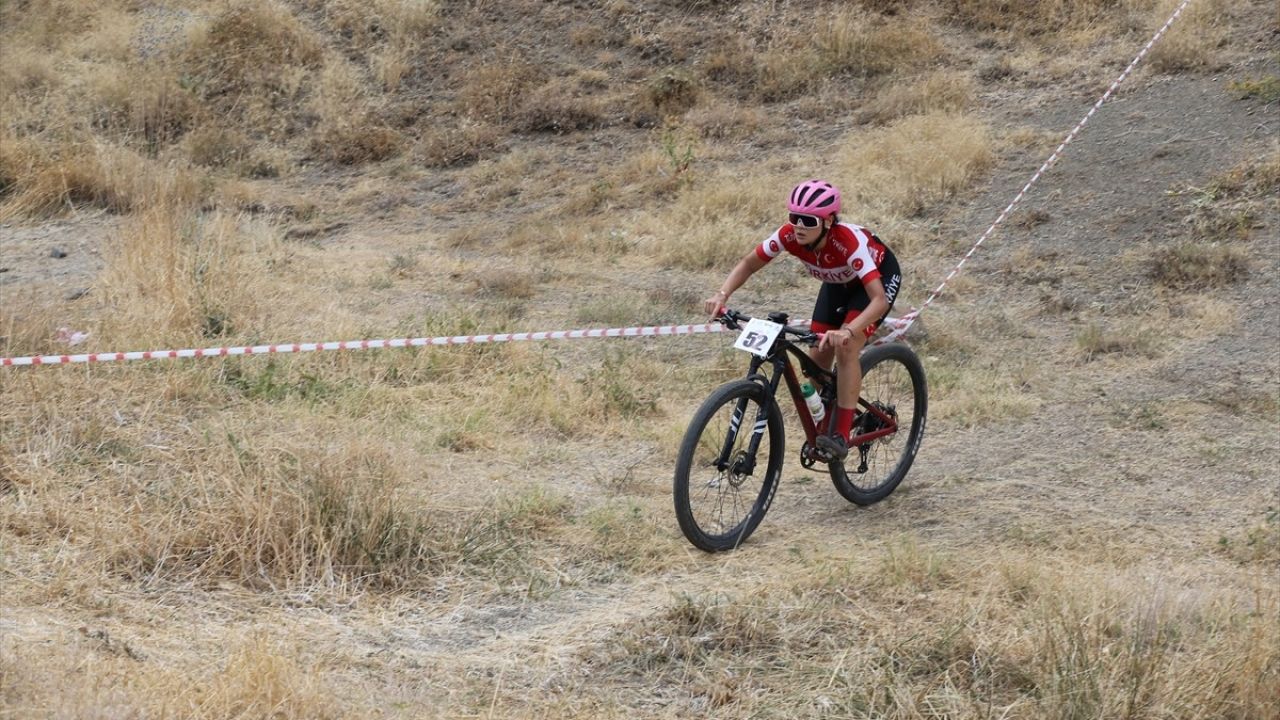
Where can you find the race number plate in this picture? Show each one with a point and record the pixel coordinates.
(757, 336)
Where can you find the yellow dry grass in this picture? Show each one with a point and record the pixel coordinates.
(486, 531)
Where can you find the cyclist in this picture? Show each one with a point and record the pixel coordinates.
(860, 280)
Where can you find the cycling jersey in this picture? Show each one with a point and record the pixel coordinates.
(850, 253)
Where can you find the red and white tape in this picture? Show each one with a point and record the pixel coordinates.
(652, 331)
(1053, 158)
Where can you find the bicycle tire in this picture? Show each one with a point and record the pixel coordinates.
(887, 371)
(701, 490)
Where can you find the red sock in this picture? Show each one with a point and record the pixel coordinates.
(844, 421)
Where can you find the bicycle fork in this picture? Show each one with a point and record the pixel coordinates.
(745, 462)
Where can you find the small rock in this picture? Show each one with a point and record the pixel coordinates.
(77, 293)
(57, 253)
(4, 269)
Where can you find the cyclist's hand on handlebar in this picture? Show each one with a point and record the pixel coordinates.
(715, 305)
(834, 339)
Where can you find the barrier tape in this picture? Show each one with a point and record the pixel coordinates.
(1053, 158)
(652, 331)
(284, 349)
(900, 325)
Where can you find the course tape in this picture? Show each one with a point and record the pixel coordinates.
(652, 331)
(899, 325)
(284, 349)
(1053, 158)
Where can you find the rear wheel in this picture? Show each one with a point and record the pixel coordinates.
(723, 487)
(893, 381)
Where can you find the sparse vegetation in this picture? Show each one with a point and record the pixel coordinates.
(1266, 89)
(1200, 266)
(485, 530)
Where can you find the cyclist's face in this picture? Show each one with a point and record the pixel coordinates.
(808, 235)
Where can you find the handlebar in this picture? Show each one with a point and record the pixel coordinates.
(733, 320)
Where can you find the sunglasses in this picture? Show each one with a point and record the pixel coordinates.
(809, 221)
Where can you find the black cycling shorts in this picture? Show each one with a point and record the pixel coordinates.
(838, 304)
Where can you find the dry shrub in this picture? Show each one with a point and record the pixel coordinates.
(971, 394)
(24, 72)
(390, 68)
(514, 284)
(1192, 43)
(365, 23)
(466, 143)
(101, 675)
(509, 176)
(143, 102)
(725, 120)
(557, 107)
(782, 66)
(1265, 89)
(1199, 265)
(614, 393)
(216, 146)
(496, 92)
(785, 73)
(1006, 637)
(49, 23)
(298, 516)
(946, 91)
(37, 181)
(253, 62)
(672, 92)
(717, 222)
(352, 143)
(176, 274)
(858, 44)
(27, 327)
(1030, 18)
(906, 167)
(348, 131)
(1096, 340)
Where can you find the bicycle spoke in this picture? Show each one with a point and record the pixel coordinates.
(725, 492)
(893, 384)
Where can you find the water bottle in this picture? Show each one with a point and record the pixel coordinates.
(814, 402)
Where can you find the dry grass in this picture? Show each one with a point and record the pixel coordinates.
(902, 169)
(1195, 41)
(857, 44)
(1200, 266)
(43, 181)
(486, 531)
(945, 91)
(996, 636)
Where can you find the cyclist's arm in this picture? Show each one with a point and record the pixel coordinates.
(875, 309)
(746, 267)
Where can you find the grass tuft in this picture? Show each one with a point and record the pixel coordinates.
(1199, 266)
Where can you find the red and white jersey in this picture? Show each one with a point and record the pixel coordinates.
(850, 252)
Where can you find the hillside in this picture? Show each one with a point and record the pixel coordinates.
(1092, 528)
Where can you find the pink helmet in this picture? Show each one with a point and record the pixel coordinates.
(815, 197)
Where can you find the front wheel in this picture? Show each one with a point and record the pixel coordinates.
(729, 464)
(893, 381)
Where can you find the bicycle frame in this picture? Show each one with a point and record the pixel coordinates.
(779, 357)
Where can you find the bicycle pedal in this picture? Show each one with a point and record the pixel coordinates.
(835, 447)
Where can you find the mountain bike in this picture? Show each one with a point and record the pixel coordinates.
(731, 457)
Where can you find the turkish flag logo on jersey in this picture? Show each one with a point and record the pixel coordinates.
(857, 264)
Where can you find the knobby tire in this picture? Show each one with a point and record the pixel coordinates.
(889, 373)
(718, 509)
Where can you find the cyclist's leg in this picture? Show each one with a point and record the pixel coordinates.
(849, 376)
(848, 362)
(828, 311)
